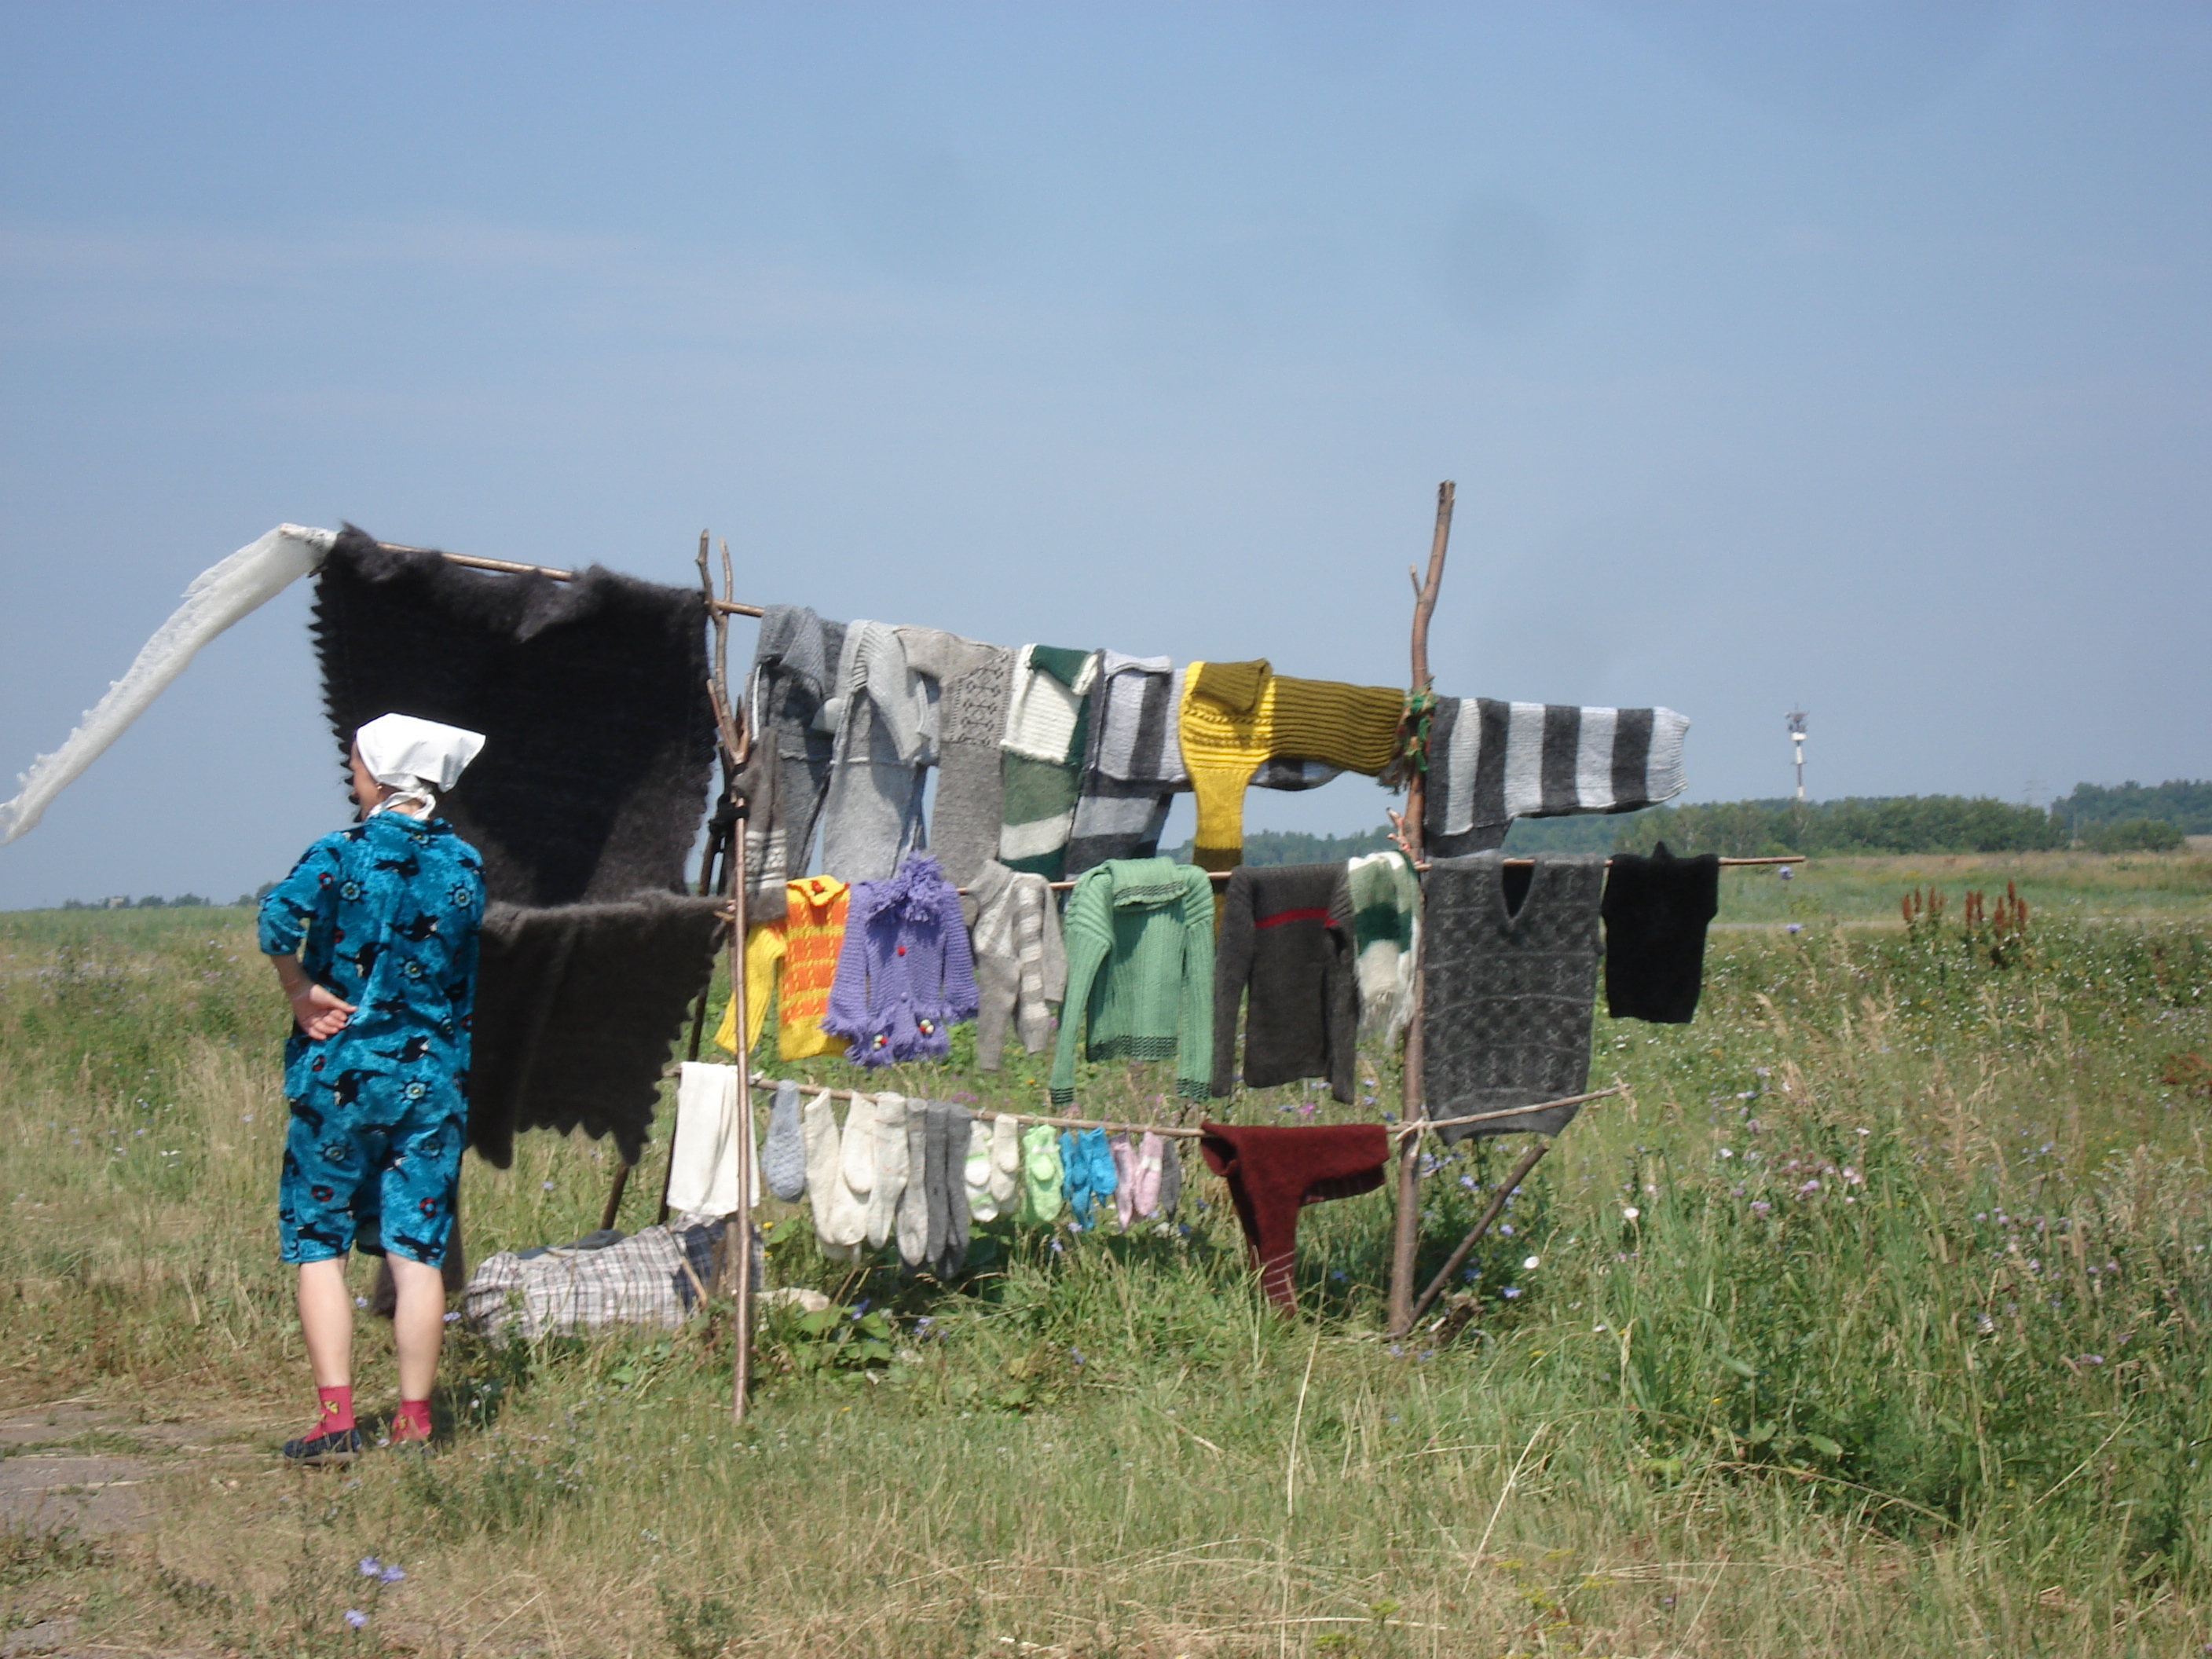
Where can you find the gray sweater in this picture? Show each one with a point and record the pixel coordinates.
(1021, 962)
(872, 817)
(794, 673)
(972, 680)
(1508, 990)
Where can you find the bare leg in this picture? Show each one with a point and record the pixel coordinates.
(326, 1322)
(417, 1324)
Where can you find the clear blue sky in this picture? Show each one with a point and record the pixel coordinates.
(1851, 355)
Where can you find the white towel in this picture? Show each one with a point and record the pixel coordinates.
(702, 1159)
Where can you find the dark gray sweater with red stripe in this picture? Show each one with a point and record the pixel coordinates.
(1285, 951)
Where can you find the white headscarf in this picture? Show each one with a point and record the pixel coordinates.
(418, 759)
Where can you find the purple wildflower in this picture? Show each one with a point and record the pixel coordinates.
(355, 1617)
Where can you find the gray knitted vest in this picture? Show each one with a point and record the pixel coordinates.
(1507, 995)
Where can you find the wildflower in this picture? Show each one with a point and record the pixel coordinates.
(1397, 1352)
(1337, 1275)
(1505, 1229)
(452, 1317)
(390, 1576)
(1736, 1192)
(1055, 1247)
(1597, 1330)
(1785, 872)
(1509, 1291)
(1726, 1152)
(1531, 1263)
(1629, 1212)
(1076, 1354)
(860, 1307)
(1853, 1176)
(355, 1617)
(1794, 927)
(1471, 1275)
(360, 1302)
(1759, 1206)
(1467, 1182)
(545, 1186)
(2093, 1359)
(370, 1566)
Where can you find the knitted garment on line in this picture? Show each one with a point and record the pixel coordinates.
(1087, 1166)
(794, 675)
(1133, 763)
(1285, 953)
(1386, 920)
(801, 948)
(783, 1149)
(1656, 909)
(1140, 936)
(590, 695)
(1509, 986)
(1021, 962)
(576, 1007)
(1048, 725)
(1273, 1172)
(702, 1153)
(904, 975)
(871, 818)
(1492, 762)
(973, 682)
(1237, 715)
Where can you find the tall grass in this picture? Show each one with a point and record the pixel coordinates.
(1876, 1320)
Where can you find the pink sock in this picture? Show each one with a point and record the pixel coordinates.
(337, 1414)
(412, 1421)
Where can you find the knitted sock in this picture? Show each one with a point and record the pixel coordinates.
(783, 1154)
(889, 1131)
(913, 1227)
(1006, 1162)
(1124, 1180)
(846, 1224)
(1170, 1198)
(1041, 1175)
(951, 1126)
(818, 1128)
(936, 1185)
(1146, 1177)
(983, 1203)
(410, 1422)
(336, 1415)
(1272, 1171)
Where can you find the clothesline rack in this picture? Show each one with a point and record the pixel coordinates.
(722, 869)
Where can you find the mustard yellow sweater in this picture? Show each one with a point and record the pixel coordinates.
(1237, 714)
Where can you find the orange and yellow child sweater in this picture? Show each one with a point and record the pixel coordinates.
(803, 945)
(1237, 714)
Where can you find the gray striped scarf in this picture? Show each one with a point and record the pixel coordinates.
(1492, 762)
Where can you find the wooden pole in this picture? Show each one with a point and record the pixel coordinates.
(738, 740)
(1474, 1234)
(1408, 1236)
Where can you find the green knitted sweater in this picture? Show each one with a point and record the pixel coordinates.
(1140, 935)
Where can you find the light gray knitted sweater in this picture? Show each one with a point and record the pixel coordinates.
(1507, 992)
(1021, 961)
(873, 817)
(972, 681)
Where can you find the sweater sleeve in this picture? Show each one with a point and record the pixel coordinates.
(1232, 967)
(1341, 987)
(1195, 1041)
(764, 949)
(848, 1013)
(960, 997)
(1090, 937)
(997, 983)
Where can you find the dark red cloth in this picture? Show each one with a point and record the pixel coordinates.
(1272, 1172)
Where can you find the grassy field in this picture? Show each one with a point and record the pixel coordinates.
(1877, 1322)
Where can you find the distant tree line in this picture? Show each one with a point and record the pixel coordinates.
(2186, 806)
(156, 901)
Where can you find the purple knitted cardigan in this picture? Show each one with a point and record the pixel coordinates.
(904, 972)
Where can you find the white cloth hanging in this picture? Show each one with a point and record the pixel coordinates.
(218, 597)
(702, 1159)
